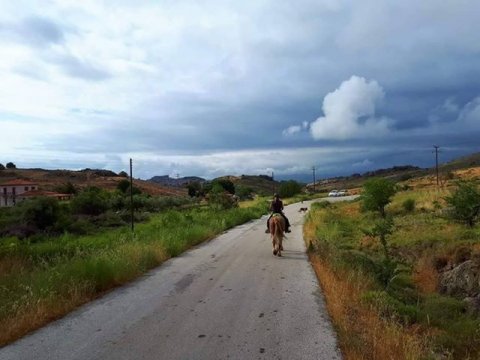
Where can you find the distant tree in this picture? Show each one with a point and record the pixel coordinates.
(243, 192)
(67, 188)
(11, 165)
(91, 201)
(465, 203)
(289, 188)
(123, 185)
(41, 212)
(122, 174)
(226, 184)
(219, 198)
(2, 167)
(194, 188)
(377, 193)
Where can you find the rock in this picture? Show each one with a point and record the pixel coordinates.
(463, 280)
(473, 305)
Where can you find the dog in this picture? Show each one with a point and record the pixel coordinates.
(303, 209)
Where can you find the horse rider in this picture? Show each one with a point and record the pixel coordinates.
(276, 207)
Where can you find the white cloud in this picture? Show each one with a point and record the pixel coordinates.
(362, 164)
(470, 114)
(349, 112)
(292, 130)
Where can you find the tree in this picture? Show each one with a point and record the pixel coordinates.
(465, 203)
(377, 193)
(123, 174)
(41, 212)
(11, 165)
(2, 167)
(289, 188)
(226, 184)
(123, 185)
(243, 192)
(91, 201)
(67, 188)
(194, 188)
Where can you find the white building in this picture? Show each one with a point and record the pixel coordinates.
(11, 191)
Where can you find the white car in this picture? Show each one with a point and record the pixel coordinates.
(333, 193)
(342, 193)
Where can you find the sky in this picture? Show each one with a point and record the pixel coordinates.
(217, 87)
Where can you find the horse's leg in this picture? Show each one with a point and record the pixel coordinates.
(280, 247)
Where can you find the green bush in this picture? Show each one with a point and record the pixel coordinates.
(289, 188)
(465, 203)
(408, 205)
(42, 212)
(123, 185)
(377, 193)
(91, 201)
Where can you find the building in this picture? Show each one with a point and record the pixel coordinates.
(14, 191)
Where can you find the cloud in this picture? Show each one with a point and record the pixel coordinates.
(292, 130)
(82, 69)
(362, 164)
(35, 31)
(349, 112)
(470, 114)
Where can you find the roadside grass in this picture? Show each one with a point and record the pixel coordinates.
(41, 281)
(393, 311)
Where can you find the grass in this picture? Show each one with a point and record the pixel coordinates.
(393, 310)
(44, 280)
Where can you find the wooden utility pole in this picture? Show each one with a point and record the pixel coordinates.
(436, 162)
(313, 169)
(131, 194)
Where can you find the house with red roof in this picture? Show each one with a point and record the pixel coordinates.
(14, 191)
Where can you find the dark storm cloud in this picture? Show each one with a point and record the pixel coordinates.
(239, 84)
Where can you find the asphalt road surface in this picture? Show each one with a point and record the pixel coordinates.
(229, 298)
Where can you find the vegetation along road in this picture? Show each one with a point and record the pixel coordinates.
(229, 298)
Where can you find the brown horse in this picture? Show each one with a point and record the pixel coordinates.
(277, 227)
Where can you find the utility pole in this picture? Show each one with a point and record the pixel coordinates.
(131, 193)
(436, 161)
(313, 169)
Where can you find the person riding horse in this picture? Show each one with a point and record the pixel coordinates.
(276, 207)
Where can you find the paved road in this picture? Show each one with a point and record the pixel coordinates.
(229, 298)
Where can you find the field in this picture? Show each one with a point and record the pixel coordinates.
(41, 281)
(396, 309)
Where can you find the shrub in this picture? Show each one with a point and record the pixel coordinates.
(67, 188)
(409, 205)
(465, 203)
(221, 200)
(377, 193)
(11, 165)
(2, 167)
(123, 185)
(91, 201)
(226, 184)
(321, 205)
(41, 212)
(122, 174)
(194, 188)
(289, 188)
(243, 192)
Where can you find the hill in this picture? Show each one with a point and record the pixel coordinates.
(260, 184)
(52, 179)
(166, 180)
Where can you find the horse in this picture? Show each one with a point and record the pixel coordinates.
(277, 227)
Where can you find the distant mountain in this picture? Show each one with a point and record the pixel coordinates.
(168, 181)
